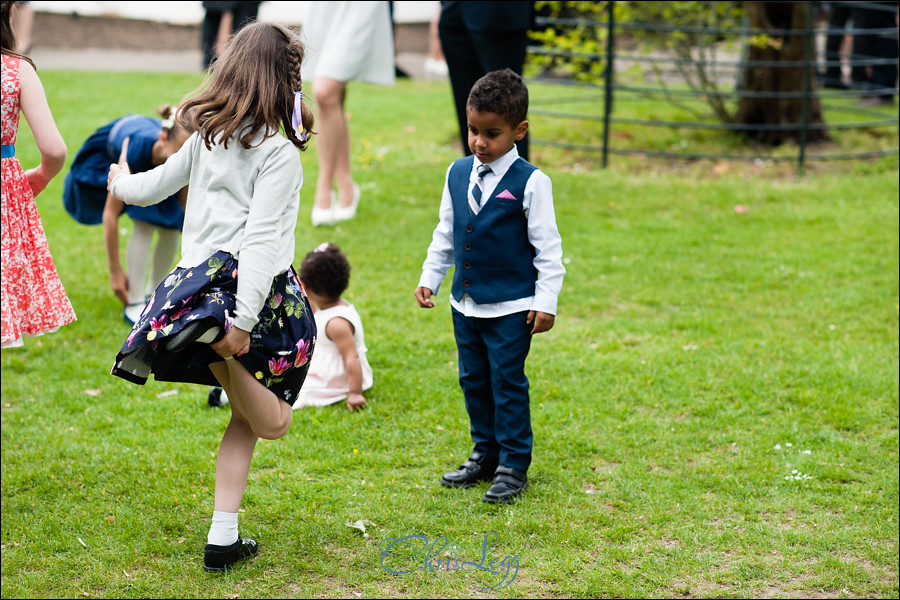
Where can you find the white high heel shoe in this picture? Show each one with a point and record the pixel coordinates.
(322, 216)
(345, 213)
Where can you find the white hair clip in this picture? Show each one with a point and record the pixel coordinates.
(170, 122)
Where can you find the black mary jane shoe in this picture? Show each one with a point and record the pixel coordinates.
(478, 468)
(508, 485)
(218, 559)
(217, 397)
(202, 332)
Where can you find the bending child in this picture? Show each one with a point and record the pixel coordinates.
(33, 298)
(233, 312)
(339, 368)
(498, 229)
(145, 143)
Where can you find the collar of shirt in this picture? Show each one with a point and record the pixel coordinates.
(498, 169)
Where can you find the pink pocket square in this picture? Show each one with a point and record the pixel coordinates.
(506, 195)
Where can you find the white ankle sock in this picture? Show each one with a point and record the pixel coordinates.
(224, 529)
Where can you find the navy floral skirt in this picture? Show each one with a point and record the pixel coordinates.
(281, 343)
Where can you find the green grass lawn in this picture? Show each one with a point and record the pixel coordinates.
(715, 412)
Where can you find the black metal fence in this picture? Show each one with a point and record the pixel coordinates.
(840, 82)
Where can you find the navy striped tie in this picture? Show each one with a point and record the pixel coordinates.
(478, 188)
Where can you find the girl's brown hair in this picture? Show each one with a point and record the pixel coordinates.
(8, 44)
(251, 88)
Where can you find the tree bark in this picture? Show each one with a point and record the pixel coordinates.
(771, 109)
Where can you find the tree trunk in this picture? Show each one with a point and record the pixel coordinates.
(775, 80)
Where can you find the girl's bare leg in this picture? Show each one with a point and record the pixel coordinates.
(235, 451)
(332, 142)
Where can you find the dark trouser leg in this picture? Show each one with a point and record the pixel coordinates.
(245, 13)
(475, 380)
(463, 66)
(508, 340)
(470, 55)
(209, 32)
(500, 50)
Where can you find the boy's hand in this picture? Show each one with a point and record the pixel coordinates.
(542, 321)
(423, 295)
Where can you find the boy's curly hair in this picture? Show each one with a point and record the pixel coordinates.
(502, 92)
(326, 271)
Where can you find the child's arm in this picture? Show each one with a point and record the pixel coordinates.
(340, 331)
(33, 102)
(543, 235)
(439, 257)
(155, 185)
(117, 278)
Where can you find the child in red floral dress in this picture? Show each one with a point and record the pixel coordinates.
(34, 301)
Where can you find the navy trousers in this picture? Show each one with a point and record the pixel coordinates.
(492, 355)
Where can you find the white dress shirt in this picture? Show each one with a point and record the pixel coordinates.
(543, 234)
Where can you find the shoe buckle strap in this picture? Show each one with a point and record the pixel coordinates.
(509, 475)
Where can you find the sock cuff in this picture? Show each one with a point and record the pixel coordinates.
(224, 518)
(224, 529)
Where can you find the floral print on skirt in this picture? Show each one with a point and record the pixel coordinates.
(281, 343)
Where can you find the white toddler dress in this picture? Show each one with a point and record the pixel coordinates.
(326, 382)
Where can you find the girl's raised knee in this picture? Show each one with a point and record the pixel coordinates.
(276, 430)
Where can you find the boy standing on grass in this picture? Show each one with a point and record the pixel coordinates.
(498, 229)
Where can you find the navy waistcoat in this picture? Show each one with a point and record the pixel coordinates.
(493, 258)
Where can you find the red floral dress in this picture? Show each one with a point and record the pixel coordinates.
(34, 301)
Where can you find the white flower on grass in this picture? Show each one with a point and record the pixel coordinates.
(797, 476)
(778, 446)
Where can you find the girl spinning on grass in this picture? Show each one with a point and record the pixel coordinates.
(233, 312)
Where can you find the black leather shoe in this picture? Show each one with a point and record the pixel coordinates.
(198, 331)
(477, 468)
(508, 485)
(218, 559)
(217, 397)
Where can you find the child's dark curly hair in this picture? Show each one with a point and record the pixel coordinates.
(502, 92)
(326, 271)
